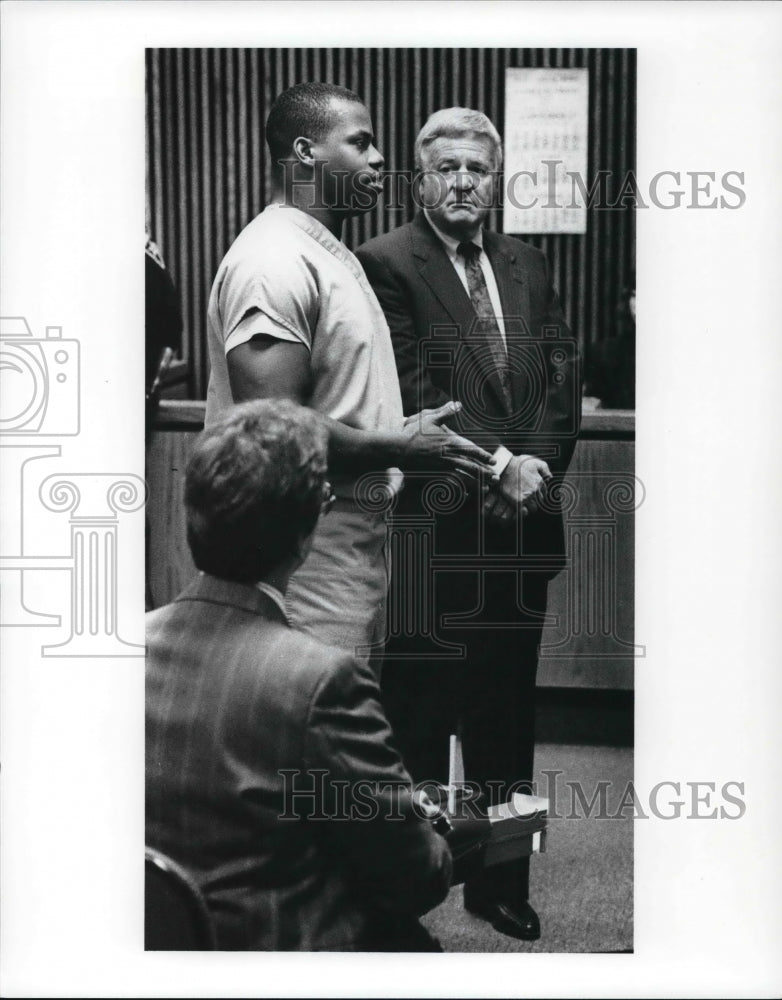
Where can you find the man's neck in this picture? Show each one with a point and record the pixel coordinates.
(278, 578)
(302, 196)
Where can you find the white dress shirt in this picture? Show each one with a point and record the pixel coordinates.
(275, 595)
(450, 245)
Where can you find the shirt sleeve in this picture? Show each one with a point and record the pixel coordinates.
(271, 294)
(256, 323)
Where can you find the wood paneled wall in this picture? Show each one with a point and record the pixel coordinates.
(208, 167)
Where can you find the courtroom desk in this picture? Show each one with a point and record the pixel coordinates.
(588, 641)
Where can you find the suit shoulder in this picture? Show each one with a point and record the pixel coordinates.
(310, 660)
(295, 666)
(398, 241)
(524, 251)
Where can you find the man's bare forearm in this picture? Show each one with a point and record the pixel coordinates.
(353, 450)
(265, 368)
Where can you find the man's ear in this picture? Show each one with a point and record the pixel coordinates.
(302, 150)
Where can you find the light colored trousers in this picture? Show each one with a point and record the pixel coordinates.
(339, 593)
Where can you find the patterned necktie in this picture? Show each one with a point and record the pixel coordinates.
(487, 326)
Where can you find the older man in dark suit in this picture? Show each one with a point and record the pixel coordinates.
(473, 316)
(271, 775)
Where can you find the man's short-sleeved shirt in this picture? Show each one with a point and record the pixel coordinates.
(286, 276)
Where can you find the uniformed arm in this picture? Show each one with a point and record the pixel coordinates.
(266, 367)
(388, 851)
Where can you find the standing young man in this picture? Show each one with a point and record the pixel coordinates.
(292, 315)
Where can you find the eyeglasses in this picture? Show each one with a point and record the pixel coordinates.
(328, 500)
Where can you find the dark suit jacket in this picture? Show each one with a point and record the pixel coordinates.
(238, 706)
(441, 354)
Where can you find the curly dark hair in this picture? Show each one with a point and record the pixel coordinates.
(253, 488)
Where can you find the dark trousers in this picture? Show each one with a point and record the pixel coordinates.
(487, 694)
(396, 932)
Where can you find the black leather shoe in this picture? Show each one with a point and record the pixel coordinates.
(517, 922)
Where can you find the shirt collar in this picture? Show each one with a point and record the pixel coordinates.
(449, 242)
(274, 595)
(306, 222)
(320, 234)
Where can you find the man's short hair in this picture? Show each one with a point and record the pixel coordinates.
(253, 488)
(305, 109)
(455, 123)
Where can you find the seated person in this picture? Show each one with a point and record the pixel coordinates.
(271, 775)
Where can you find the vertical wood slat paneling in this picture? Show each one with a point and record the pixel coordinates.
(208, 170)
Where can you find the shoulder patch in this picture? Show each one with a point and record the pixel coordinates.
(152, 250)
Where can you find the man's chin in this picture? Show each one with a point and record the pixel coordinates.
(465, 215)
(360, 204)
(460, 222)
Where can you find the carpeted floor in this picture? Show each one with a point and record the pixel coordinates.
(582, 886)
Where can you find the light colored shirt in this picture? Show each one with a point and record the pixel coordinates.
(286, 276)
(450, 245)
(274, 595)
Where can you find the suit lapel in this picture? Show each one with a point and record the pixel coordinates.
(514, 296)
(511, 282)
(438, 272)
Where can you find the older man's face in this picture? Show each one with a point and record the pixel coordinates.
(459, 183)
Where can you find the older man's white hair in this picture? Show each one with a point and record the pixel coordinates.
(455, 123)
